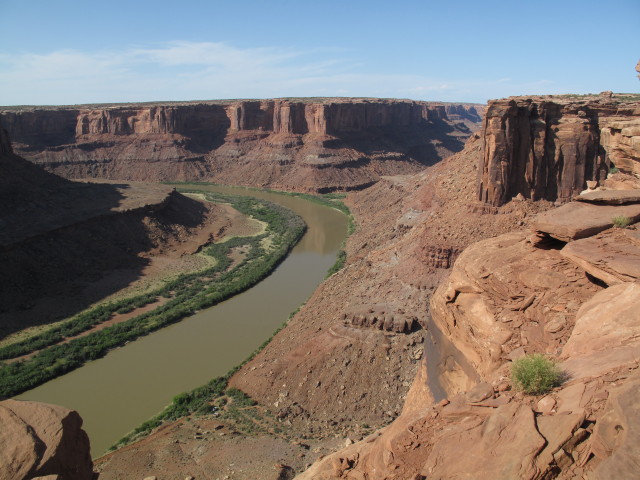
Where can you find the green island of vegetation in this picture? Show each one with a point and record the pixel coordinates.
(55, 355)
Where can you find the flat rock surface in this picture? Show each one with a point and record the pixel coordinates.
(617, 434)
(612, 256)
(609, 320)
(577, 220)
(611, 197)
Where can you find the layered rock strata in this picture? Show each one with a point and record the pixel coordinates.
(548, 147)
(309, 145)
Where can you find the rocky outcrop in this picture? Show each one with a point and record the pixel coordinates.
(306, 145)
(620, 138)
(39, 440)
(576, 220)
(612, 257)
(610, 197)
(616, 438)
(381, 317)
(548, 147)
(506, 297)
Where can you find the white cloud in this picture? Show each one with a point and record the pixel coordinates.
(206, 70)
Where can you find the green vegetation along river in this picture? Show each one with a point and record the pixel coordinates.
(132, 383)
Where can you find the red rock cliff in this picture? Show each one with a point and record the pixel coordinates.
(320, 145)
(40, 440)
(548, 147)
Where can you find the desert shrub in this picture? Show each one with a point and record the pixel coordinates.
(621, 222)
(613, 170)
(535, 374)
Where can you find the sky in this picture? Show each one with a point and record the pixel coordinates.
(75, 52)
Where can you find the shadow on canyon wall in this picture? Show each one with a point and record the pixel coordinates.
(57, 237)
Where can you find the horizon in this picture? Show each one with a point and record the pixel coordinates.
(69, 53)
(295, 99)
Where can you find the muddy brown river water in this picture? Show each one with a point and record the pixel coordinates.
(132, 383)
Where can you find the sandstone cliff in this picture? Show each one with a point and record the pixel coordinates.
(548, 147)
(42, 441)
(306, 145)
(506, 297)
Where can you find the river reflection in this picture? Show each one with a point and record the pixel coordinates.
(131, 384)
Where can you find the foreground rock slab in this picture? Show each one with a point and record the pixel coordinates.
(610, 320)
(610, 197)
(617, 435)
(612, 256)
(40, 440)
(577, 220)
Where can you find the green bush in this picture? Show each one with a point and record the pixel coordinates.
(613, 170)
(621, 222)
(535, 374)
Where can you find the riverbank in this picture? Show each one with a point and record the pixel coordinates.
(207, 344)
(215, 397)
(185, 295)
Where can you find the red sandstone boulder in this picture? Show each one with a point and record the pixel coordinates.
(40, 440)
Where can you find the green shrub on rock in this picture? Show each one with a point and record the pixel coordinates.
(535, 374)
(621, 222)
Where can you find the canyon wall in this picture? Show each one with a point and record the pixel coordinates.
(86, 232)
(548, 147)
(307, 145)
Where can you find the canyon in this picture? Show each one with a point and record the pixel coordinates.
(401, 358)
(317, 145)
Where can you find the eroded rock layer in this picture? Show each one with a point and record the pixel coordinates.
(308, 145)
(548, 147)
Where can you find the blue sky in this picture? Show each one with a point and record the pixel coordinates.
(70, 52)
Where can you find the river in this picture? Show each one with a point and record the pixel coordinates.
(132, 383)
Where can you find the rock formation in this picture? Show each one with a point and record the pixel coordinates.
(548, 147)
(42, 441)
(306, 145)
(506, 297)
